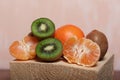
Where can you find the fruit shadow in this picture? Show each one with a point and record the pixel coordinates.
(36, 59)
(39, 60)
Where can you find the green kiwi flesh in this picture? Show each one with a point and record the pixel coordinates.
(49, 49)
(43, 28)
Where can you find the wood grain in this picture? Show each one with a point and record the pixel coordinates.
(61, 70)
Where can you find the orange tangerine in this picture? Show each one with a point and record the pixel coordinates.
(25, 49)
(67, 31)
(82, 51)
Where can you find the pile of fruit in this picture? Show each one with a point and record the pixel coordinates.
(68, 41)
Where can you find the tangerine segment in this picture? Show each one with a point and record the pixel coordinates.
(84, 51)
(25, 49)
(31, 42)
(18, 50)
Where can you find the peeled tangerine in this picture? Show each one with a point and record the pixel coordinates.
(25, 49)
(83, 52)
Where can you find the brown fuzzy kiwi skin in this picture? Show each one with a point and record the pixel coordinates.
(101, 39)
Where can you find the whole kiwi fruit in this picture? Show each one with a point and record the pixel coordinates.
(101, 40)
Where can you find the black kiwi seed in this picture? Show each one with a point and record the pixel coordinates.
(49, 49)
(43, 28)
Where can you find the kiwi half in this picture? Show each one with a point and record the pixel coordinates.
(43, 28)
(49, 49)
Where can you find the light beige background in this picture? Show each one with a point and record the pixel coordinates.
(16, 17)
